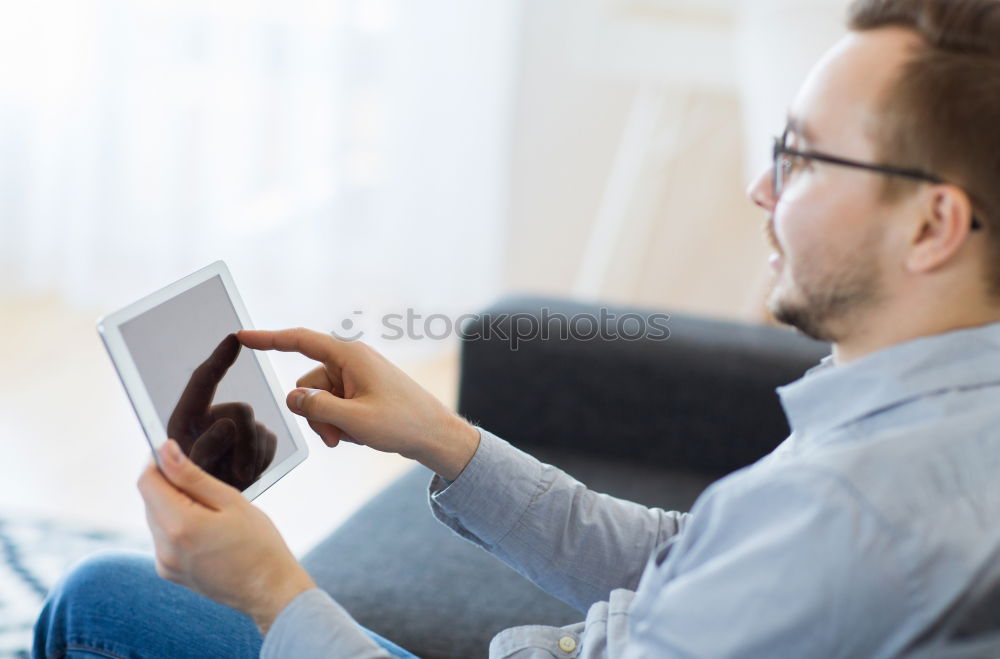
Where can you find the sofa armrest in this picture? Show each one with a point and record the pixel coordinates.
(702, 399)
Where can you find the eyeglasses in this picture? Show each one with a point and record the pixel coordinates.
(787, 162)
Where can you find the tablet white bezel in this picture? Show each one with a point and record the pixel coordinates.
(109, 328)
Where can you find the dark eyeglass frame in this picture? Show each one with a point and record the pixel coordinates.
(781, 149)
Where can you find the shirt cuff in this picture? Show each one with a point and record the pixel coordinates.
(491, 494)
(314, 626)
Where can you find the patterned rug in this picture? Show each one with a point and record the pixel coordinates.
(34, 554)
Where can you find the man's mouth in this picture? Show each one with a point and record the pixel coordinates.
(777, 256)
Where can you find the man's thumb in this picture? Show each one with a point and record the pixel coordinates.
(319, 405)
(191, 479)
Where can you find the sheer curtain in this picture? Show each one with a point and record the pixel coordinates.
(341, 155)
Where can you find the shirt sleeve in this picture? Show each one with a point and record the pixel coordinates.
(575, 544)
(313, 626)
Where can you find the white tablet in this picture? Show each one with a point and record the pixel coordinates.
(189, 379)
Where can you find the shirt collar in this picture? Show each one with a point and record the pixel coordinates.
(831, 395)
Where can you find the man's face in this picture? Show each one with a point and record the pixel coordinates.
(829, 226)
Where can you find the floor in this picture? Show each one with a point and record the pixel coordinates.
(72, 447)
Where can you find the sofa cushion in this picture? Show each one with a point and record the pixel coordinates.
(703, 399)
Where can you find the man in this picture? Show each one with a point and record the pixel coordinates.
(871, 531)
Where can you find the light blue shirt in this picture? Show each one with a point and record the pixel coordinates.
(865, 534)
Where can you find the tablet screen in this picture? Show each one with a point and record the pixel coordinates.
(208, 391)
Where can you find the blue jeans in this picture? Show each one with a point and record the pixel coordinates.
(113, 604)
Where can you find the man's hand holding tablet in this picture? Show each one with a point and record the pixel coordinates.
(220, 437)
(211, 539)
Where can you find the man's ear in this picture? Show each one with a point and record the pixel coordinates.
(945, 225)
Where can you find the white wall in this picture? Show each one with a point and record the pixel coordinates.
(715, 79)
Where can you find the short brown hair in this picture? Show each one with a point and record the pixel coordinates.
(942, 114)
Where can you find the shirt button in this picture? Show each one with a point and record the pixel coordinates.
(567, 644)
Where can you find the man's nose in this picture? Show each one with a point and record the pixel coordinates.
(761, 191)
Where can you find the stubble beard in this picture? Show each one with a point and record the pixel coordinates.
(826, 306)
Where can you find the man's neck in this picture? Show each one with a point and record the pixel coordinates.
(914, 323)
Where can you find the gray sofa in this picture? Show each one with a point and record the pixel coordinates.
(651, 420)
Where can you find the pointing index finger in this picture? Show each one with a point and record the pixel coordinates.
(314, 345)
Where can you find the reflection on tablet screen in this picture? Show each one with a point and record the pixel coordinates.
(224, 439)
(210, 395)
